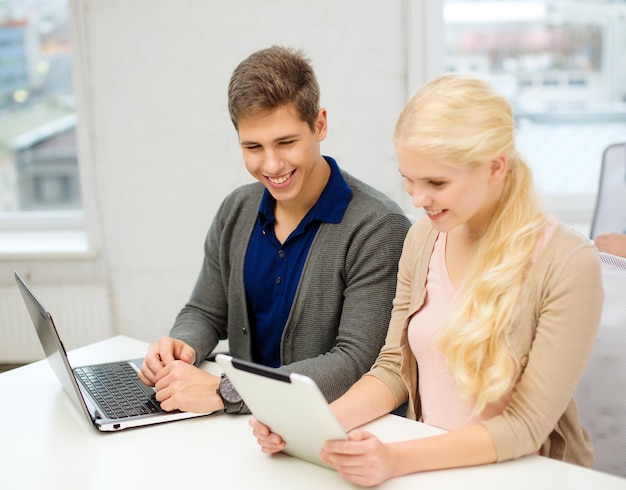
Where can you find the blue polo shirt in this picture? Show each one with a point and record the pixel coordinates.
(272, 270)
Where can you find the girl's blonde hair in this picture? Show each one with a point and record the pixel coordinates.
(463, 122)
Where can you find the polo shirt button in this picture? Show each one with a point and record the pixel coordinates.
(281, 254)
(278, 280)
(244, 330)
(524, 361)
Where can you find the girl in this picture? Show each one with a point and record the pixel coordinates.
(496, 308)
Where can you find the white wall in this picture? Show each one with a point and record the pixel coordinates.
(158, 151)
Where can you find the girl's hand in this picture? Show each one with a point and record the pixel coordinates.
(362, 459)
(270, 443)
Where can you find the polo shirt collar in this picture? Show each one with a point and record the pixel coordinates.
(329, 208)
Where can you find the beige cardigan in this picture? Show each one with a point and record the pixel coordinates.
(552, 343)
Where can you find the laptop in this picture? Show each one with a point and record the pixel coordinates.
(291, 405)
(110, 395)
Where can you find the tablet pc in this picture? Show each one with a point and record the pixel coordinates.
(291, 405)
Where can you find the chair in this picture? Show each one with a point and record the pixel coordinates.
(601, 394)
(610, 211)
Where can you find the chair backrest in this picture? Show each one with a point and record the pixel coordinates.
(601, 394)
(610, 211)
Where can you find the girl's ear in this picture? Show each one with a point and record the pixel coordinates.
(499, 167)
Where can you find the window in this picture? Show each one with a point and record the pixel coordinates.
(563, 65)
(40, 201)
(38, 160)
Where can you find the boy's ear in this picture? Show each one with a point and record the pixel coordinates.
(321, 124)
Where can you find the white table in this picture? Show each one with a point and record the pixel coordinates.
(47, 443)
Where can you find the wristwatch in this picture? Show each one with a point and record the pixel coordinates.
(233, 403)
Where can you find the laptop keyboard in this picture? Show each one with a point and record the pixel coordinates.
(116, 389)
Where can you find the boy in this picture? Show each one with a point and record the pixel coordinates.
(300, 268)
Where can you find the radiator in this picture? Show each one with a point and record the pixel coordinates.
(82, 315)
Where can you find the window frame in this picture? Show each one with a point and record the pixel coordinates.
(61, 234)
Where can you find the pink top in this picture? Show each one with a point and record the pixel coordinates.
(443, 405)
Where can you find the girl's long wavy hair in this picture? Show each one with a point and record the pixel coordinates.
(462, 121)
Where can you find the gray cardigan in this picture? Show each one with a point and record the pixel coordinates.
(342, 306)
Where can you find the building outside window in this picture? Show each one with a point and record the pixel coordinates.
(38, 158)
